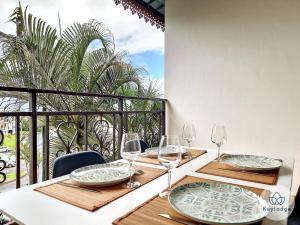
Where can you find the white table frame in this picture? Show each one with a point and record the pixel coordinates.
(29, 207)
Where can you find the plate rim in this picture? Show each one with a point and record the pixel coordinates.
(99, 183)
(261, 200)
(183, 151)
(250, 168)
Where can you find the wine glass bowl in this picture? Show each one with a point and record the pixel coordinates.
(169, 156)
(130, 151)
(189, 135)
(133, 150)
(218, 137)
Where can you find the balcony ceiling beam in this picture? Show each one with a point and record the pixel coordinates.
(146, 10)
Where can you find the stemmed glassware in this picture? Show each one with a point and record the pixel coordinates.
(189, 135)
(130, 150)
(218, 137)
(169, 155)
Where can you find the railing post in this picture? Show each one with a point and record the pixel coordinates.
(18, 155)
(120, 124)
(163, 119)
(145, 127)
(46, 149)
(33, 139)
(86, 140)
(114, 136)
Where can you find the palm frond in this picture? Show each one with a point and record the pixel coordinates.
(37, 57)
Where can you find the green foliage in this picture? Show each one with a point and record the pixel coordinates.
(13, 175)
(9, 141)
(2, 220)
(37, 57)
(25, 152)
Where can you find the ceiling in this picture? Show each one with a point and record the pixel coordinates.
(157, 5)
(150, 10)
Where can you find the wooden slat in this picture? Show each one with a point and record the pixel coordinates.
(11, 223)
(195, 154)
(92, 200)
(223, 170)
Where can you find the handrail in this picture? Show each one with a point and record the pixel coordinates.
(119, 124)
(48, 91)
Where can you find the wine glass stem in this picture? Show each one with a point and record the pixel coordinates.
(130, 171)
(189, 150)
(169, 180)
(219, 146)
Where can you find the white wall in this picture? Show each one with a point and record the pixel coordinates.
(237, 63)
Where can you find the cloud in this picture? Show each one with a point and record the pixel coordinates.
(131, 33)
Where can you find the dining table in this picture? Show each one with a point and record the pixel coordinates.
(29, 207)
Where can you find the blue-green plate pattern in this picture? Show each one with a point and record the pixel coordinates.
(101, 174)
(217, 203)
(251, 162)
(153, 152)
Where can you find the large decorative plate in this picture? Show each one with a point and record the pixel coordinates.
(101, 174)
(153, 152)
(251, 162)
(217, 203)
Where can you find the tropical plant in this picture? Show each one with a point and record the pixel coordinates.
(38, 57)
(2, 220)
(147, 124)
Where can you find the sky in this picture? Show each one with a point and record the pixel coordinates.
(144, 43)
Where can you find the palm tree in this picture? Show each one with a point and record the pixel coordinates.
(147, 124)
(37, 57)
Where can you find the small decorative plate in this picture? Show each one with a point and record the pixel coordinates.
(217, 203)
(153, 152)
(101, 174)
(251, 162)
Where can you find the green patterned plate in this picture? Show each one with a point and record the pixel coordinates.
(251, 162)
(101, 174)
(217, 203)
(153, 152)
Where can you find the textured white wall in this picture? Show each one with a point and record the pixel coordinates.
(237, 63)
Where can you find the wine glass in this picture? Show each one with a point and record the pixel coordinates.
(218, 137)
(189, 135)
(169, 155)
(130, 150)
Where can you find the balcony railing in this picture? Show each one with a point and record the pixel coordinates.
(51, 133)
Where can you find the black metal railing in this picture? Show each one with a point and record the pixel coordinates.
(97, 130)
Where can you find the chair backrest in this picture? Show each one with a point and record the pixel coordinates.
(297, 200)
(294, 218)
(144, 145)
(67, 163)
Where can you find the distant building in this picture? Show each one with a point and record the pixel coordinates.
(7, 125)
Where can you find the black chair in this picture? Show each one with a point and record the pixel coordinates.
(67, 163)
(294, 218)
(144, 145)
